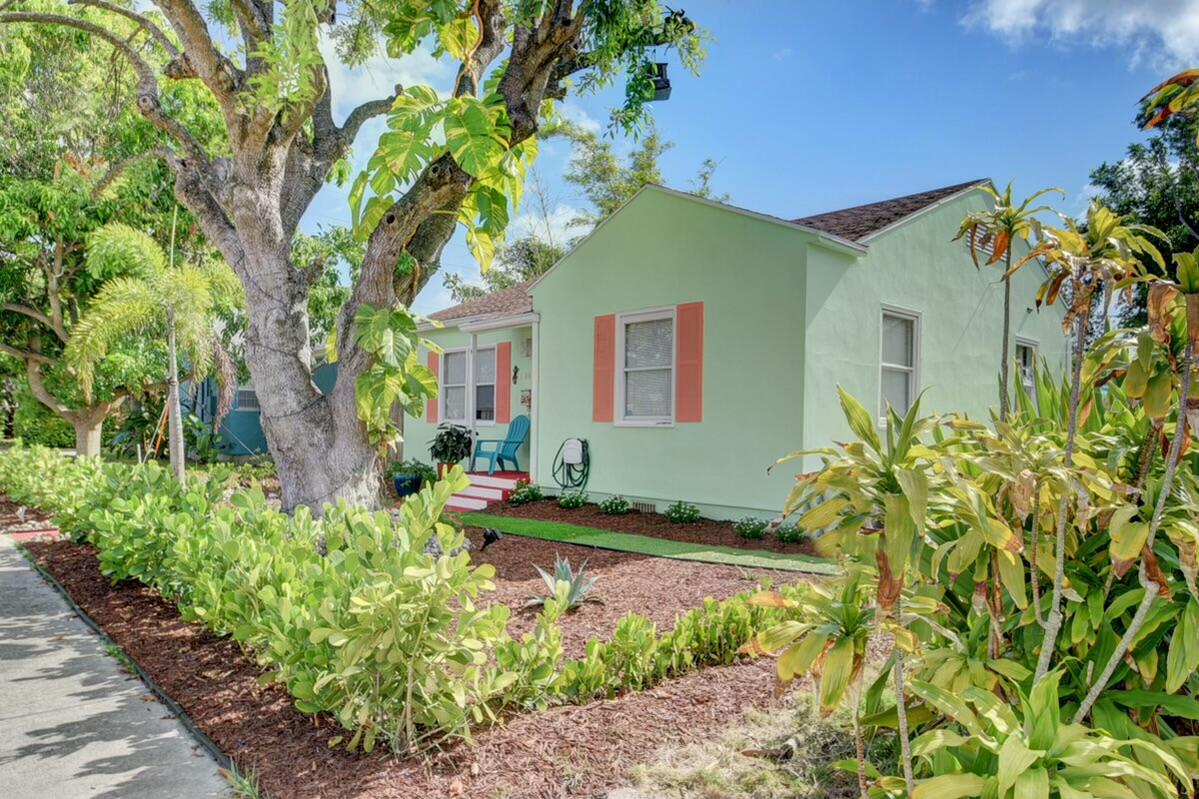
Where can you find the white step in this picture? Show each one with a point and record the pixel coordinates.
(482, 492)
(487, 481)
(461, 503)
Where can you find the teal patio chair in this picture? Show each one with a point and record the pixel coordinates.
(498, 451)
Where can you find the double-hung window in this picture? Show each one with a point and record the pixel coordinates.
(645, 368)
(898, 364)
(468, 386)
(485, 385)
(1026, 358)
(453, 386)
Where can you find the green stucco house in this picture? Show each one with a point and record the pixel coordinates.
(691, 344)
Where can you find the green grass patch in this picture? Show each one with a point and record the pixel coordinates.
(648, 545)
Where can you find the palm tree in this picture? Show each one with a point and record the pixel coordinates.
(997, 228)
(152, 294)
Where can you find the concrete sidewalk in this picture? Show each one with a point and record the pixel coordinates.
(72, 722)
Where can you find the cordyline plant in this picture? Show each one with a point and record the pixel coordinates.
(998, 229)
(446, 160)
(951, 529)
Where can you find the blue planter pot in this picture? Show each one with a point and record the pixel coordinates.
(407, 484)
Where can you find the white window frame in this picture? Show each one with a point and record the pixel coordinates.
(468, 387)
(914, 370)
(1033, 345)
(622, 321)
(474, 387)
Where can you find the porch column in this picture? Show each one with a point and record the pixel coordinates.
(535, 402)
(470, 388)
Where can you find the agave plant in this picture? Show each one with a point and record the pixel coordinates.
(569, 588)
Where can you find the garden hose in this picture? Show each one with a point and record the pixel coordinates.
(572, 474)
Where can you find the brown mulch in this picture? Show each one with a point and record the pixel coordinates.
(14, 520)
(658, 588)
(705, 531)
(563, 752)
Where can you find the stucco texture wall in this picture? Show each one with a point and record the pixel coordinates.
(419, 432)
(664, 250)
(917, 267)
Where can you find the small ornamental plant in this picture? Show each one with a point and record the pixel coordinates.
(751, 528)
(614, 506)
(683, 513)
(572, 500)
(789, 534)
(524, 493)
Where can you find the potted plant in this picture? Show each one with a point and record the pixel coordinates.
(451, 444)
(410, 475)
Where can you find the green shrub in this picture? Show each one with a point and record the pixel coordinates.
(572, 500)
(37, 425)
(614, 506)
(751, 527)
(412, 466)
(790, 534)
(682, 513)
(525, 493)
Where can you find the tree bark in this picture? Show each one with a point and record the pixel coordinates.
(1004, 398)
(175, 412)
(87, 434)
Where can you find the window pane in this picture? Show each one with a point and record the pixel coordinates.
(485, 403)
(898, 340)
(649, 343)
(647, 393)
(485, 366)
(897, 390)
(455, 368)
(455, 403)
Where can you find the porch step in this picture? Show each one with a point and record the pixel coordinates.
(485, 489)
(460, 503)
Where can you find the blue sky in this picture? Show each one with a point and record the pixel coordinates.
(811, 106)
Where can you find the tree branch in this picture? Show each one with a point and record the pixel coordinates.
(147, 92)
(156, 32)
(217, 72)
(36, 315)
(368, 110)
(24, 355)
(119, 168)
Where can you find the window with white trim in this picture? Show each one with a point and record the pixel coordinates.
(898, 380)
(645, 374)
(1026, 359)
(453, 386)
(485, 381)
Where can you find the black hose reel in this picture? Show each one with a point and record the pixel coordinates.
(572, 464)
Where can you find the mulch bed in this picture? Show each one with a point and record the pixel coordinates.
(655, 587)
(23, 523)
(563, 752)
(705, 531)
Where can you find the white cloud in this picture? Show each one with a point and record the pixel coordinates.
(782, 54)
(574, 113)
(379, 76)
(559, 224)
(1164, 32)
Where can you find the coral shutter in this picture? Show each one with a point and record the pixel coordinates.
(604, 381)
(503, 385)
(689, 401)
(435, 368)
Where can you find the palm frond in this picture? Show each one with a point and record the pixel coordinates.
(123, 307)
(118, 249)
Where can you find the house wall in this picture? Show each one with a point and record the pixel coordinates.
(917, 267)
(664, 250)
(419, 432)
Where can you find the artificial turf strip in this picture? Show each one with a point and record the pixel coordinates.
(648, 545)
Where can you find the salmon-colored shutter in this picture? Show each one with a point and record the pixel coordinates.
(689, 401)
(503, 385)
(435, 368)
(604, 383)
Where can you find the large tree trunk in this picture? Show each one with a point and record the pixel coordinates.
(87, 433)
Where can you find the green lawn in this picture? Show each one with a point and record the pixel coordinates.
(648, 545)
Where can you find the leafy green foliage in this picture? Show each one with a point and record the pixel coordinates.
(751, 527)
(424, 471)
(396, 377)
(614, 506)
(452, 444)
(524, 493)
(790, 534)
(682, 513)
(572, 500)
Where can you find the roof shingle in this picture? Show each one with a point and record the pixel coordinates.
(505, 302)
(859, 221)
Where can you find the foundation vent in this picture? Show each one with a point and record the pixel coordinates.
(644, 507)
